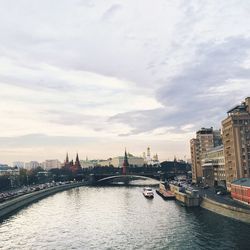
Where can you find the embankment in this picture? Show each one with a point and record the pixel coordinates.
(8, 207)
(226, 210)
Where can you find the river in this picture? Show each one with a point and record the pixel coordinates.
(118, 218)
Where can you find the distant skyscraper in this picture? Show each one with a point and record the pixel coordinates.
(236, 140)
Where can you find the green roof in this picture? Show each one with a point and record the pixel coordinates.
(242, 182)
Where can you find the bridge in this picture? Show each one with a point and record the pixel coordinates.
(102, 179)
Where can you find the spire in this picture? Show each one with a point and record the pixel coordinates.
(125, 163)
(67, 158)
(77, 158)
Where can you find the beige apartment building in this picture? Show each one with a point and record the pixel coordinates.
(195, 160)
(236, 140)
(206, 139)
(213, 167)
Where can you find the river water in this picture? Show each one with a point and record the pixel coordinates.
(118, 218)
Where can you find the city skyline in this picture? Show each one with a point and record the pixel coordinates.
(94, 78)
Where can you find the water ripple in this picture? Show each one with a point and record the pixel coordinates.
(118, 218)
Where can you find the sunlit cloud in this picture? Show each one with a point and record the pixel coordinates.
(121, 73)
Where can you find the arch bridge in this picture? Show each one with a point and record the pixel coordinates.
(121, 179)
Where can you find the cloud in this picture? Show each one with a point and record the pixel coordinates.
(35, 140)
(202, 92)
(121, 71)
(110, 12)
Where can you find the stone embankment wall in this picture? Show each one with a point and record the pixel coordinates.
(14, 204)
(188, 199)
(226, 210)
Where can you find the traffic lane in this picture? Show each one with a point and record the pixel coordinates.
(224, 199)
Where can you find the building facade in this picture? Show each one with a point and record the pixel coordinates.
(118, 161)
(213, 167)
(18, 164)
(240, 190)
(236, 140)
(49, 164)
(195, 160)
(206, 139)
(31, 165)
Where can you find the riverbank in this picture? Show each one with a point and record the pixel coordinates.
(17, 203)
(208, 199)
(233, 212)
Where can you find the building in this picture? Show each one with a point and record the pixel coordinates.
(150, 160)
(88, 163)
(213, 167)
(7, 170)
(49, 164)
(74, 167)
(206, 139)
(31, 165)
(240, 190)
(195, 160)
(18, 164)
(118, 161)
(236, 140)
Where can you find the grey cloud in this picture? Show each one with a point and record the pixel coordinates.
(214, 64)
(111, 11)
(190, 92)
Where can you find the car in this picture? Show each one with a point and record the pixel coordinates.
(220, 190)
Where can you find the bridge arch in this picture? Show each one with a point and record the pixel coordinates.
(124, 178)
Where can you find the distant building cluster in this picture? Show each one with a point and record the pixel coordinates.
(118, 161)
(220, 157)
(137, 161)
(47, 164)
(148, 160)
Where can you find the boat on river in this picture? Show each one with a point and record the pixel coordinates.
(166, 195)
(148, 192)
(164, 192)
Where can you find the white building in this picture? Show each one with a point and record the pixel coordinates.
(49, 164)
(88, 163)
(150, 160)
(18, 164)
(31, 165)
(118, 161)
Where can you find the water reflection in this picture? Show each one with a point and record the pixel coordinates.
(118, 218)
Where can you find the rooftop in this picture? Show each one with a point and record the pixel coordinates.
(242, 182)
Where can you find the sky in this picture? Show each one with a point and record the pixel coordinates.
(96, 76)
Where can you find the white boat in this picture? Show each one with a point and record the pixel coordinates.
(148, 192)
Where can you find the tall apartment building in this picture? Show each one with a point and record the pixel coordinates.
(206, 139)
(213, 167)
(236, 140)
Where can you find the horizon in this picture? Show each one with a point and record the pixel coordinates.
(93, 78)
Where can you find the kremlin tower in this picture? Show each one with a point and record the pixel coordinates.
(70, 165)
(125, 163)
